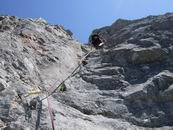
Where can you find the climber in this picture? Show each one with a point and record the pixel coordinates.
(96, 40)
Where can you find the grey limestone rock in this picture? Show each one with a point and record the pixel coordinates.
(126, 85)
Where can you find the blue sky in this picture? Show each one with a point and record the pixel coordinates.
(82, 16)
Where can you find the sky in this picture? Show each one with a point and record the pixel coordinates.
(83, 16)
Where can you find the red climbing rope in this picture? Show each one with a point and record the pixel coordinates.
(51, 114)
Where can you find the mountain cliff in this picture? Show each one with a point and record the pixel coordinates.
(126, 85)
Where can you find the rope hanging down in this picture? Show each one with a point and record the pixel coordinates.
(49, 108)
(67, 77)
(51, 113)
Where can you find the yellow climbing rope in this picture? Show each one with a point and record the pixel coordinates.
(34, 92)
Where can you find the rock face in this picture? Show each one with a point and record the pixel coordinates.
(127, 85)
(33, 54)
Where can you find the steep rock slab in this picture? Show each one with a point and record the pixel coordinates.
(143, 54)
(126, 85)
(33, 54)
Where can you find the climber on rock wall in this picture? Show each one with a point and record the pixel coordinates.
(96, 40)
